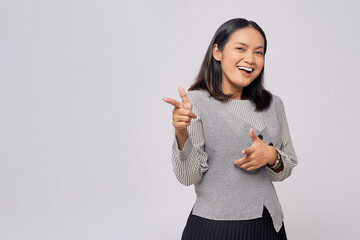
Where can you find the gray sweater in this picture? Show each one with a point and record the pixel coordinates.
(216, 138)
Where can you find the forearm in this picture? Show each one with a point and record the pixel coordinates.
(181, 136)
(189, 162)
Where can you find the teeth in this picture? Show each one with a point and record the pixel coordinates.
(246, 69)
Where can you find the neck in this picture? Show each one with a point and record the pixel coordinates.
(230, 89)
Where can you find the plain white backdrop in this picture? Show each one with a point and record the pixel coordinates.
(85, 137)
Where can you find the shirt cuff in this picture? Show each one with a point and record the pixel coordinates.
(185, 152)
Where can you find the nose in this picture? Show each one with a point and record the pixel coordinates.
(249, 58)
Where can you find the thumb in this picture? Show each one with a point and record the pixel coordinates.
(183, 96)
(253, 135)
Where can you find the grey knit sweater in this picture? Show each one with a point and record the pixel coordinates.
(216, 138)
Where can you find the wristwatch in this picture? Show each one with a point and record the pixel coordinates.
(277, 163)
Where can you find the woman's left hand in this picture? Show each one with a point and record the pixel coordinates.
(257, 155)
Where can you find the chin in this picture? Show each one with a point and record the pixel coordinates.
(242, 83)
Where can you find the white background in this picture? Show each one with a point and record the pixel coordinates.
(85, 137)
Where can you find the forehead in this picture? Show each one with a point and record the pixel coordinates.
(248, 35)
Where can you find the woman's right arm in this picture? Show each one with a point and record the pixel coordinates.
(190, 162)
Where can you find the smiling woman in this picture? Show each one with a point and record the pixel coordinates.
(232, 141)
(233, 66)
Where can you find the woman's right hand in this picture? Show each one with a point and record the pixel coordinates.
(182, 112)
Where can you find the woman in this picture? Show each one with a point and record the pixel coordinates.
(232, 140)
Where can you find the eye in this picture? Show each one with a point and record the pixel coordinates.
(241, 49)
(259, 53)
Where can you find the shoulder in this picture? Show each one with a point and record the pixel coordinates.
(278, 105)
(276, 98)
(197, 95)
(277, 102)
(198, 92)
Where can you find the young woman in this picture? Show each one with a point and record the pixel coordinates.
(232, 140)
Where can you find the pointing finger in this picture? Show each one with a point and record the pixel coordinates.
(173, 102)
(240, 161)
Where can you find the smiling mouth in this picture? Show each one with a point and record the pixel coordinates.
(246, 69)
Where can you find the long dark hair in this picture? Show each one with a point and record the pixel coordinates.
(210, 74)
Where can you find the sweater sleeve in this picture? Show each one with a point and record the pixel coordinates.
(286, 149)
(191, 162)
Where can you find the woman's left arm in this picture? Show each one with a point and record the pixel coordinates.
(287, 152)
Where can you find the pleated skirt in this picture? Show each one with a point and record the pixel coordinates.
(199, 228)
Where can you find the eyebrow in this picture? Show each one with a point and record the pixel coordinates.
(248, 45)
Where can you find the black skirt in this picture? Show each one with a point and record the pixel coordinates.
(199, 228)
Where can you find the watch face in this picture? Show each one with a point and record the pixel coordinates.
(277, 163)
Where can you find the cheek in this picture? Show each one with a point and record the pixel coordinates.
(260, 64)
(227, 65)
(230, 59)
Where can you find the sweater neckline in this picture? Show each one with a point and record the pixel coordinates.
(245, 110)
(235, 102)
(239, 105)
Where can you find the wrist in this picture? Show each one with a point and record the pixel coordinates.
(274, 156)
(181, 132)
(276, 161)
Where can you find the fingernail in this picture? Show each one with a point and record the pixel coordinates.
(243, 151)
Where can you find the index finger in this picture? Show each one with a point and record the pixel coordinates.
(173, 102)
(240, 161)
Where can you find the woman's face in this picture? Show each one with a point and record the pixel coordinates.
(241, 60)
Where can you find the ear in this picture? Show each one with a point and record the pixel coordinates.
(216, 52)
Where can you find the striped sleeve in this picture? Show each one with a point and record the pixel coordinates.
(191, 162)
(286, 150)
